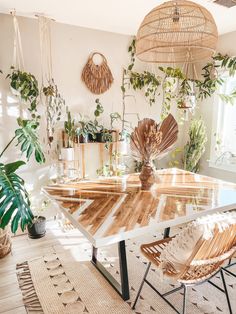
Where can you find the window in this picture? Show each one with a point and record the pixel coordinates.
(223, 149)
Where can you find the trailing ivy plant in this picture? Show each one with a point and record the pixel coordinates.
(54, 104)
(176, 87)
(146, 80)
(25, 86)
(99, 109)
(211, 79)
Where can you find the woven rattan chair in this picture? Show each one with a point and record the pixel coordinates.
(230, 264)
(206, 259)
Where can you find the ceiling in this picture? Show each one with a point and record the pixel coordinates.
(123, 16)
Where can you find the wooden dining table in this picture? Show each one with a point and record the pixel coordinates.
(112, 210)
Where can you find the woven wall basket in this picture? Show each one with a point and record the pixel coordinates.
(5, 242)
(97, 77)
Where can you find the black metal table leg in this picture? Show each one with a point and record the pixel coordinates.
(166, 232)
(123, 287)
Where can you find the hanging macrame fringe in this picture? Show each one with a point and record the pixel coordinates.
(98, 78)
(30, 298)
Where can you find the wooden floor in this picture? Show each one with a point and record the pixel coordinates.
(22, 250)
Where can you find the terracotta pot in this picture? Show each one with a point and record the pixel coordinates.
(5, 242)
(147, 176)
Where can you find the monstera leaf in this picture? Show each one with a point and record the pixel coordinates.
(27, 136)
(14, 199)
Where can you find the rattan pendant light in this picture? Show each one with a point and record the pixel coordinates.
(177, 32)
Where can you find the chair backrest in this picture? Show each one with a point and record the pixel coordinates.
(208, 240)
(219, 247)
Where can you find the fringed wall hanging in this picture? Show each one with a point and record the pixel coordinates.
(97, 77)
(150, 141)
(53, 100)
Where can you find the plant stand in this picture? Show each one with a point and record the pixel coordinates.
(5, 242)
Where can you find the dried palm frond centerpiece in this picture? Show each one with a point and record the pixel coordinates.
(97, 77)
(151, 141)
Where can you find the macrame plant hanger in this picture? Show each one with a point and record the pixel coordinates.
(190, 72)
(46, 66)
(45, 49)
(18, 59)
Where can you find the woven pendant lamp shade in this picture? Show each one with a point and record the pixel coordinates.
(177, 32)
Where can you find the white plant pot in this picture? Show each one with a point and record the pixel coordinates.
(123, 147)
(68, 154)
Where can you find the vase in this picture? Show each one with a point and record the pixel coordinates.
(147, 176)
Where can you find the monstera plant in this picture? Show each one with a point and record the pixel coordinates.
(14, 199)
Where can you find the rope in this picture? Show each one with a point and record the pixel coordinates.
(45, 48)
(18, 59)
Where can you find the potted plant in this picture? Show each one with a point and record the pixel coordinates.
(86, 130)
(14, 199)
(54, 106)
(195, 147)
(67, 152)
(37, 228)
(99, 129)
(25, 86)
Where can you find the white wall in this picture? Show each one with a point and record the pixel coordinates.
(71, 47)
(226, 45)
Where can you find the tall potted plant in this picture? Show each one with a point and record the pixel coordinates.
(99, 129)
(14, 199)
(195, 147)
(70, 131)
(86, 130)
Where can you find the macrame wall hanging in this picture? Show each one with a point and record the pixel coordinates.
(97, 77)
(53, 100)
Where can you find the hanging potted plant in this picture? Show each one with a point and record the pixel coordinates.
(25, 86)
(54, 104)
(67, 153)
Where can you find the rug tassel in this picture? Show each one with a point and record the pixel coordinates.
(30, 298)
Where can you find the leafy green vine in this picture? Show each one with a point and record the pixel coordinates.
(25, 86)
(139, 81)
(201, 89)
